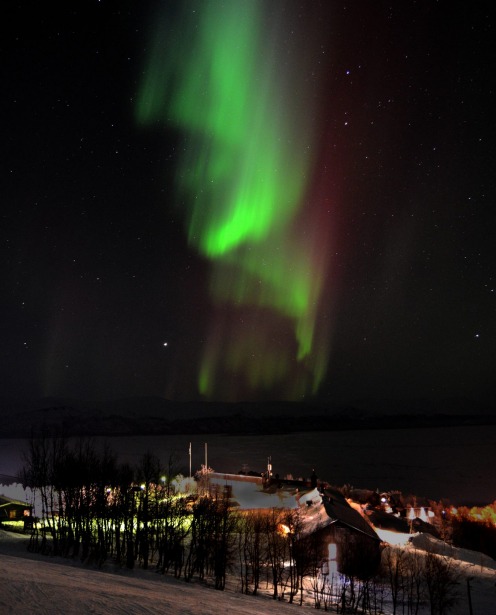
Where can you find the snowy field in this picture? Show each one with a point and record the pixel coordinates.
(32, 583)
(454, 462)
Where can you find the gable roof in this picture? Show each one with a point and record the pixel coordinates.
(5, 501)
(338, 509)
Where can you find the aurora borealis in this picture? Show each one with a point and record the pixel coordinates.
(248, 200)
(238, 93)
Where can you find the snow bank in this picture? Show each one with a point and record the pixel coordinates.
(426, 542)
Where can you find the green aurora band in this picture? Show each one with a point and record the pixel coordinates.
(224, 74)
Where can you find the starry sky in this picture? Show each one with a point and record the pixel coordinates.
(355, 140)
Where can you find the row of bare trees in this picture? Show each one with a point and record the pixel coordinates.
(273, 551)
(417, 577)
(93, 507)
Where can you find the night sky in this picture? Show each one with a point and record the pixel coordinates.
(357, 139)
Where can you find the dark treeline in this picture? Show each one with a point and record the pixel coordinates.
(95, 509)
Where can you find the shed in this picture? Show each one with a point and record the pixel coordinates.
(13, 510)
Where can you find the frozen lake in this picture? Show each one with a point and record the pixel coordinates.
(454, 462)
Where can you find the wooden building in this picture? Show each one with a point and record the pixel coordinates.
(13, 510)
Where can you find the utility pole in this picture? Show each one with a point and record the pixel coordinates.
(206, 457)
(190, 459)
(469, 596)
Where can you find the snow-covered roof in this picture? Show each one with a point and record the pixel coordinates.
(338, 509)
(387, 521)
(248, 492)
(5, 501)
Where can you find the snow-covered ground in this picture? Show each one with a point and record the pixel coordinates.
(31, 583)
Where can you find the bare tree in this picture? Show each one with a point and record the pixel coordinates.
(308, 552)
(225, 524)
(148, 474)
(413, 582)
(198, 560)
(172, 533)
(394, 566)
(252, 550)
(42, 461)
(292, 525)
(442, 583)
(277, 549)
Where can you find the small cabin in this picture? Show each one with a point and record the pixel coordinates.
(13, 510)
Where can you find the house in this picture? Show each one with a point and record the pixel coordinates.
(13, 510)
(344, 539)
(347, 542)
